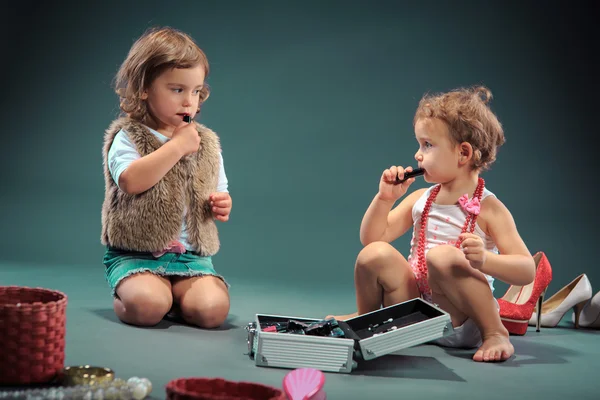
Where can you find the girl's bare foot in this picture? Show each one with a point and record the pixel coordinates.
(342, 317)
(495, 347)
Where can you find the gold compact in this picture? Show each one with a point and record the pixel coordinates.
(86, 375)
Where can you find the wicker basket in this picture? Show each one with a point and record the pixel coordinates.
(220, 389)
(32, 334)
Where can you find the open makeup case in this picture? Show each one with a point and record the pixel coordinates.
(337, 346)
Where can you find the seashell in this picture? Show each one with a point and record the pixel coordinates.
(304, 384)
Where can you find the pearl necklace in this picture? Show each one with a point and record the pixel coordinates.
(134, 389)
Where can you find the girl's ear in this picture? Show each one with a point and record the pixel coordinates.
(466, 153)
(144, 95)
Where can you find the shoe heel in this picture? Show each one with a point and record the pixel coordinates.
(538, 310)
(577, 311)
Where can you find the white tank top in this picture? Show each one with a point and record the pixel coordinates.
(444, 225)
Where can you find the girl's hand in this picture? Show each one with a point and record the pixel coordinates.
(472, 246)
(187, 138)
(388, 189)
(220, 204)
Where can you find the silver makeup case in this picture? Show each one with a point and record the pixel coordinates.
(366, 337)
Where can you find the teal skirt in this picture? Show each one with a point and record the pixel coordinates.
(121, 264)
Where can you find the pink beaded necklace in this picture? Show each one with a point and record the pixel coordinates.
(469, 224)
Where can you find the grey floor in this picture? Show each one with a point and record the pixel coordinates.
(555, 363)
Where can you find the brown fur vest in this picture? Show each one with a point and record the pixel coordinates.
(150, 220)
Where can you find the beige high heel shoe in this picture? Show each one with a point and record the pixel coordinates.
(573, 296)
(589, 316)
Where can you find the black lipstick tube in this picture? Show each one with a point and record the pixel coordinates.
(408, 175)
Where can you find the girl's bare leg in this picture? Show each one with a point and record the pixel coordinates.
(382, 277)
(143, 299)
(464, 292)
(204, 300)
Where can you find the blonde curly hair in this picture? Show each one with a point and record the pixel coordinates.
(469, 119)
(157, 50)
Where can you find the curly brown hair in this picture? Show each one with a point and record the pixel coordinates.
(157, 50)
(469, 119)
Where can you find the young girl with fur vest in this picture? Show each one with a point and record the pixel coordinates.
(165, 185)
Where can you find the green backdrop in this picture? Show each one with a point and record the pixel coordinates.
(312, 100)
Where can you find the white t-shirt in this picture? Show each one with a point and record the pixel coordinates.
(123, 152)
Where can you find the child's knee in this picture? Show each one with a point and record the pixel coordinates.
(206, 314)
(374, 255)
(443, 259)
(145, 309)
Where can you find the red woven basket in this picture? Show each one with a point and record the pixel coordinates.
(32, 334)
(220, 389)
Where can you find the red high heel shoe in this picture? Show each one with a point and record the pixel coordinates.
(518, 303)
